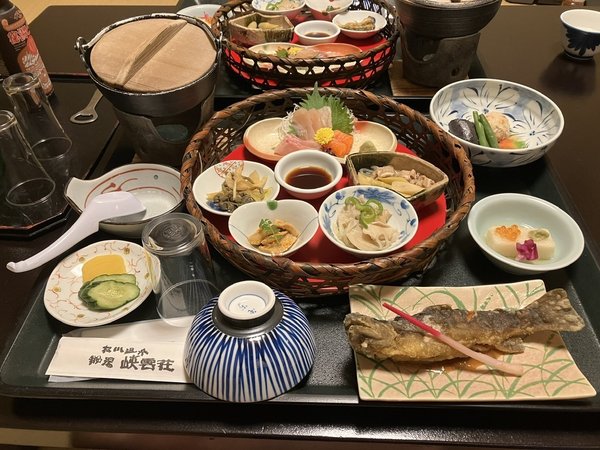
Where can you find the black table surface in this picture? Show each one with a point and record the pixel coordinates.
(520, 44)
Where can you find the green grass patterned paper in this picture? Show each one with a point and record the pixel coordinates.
(550, 372)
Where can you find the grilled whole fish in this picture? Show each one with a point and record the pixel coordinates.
(504, 330)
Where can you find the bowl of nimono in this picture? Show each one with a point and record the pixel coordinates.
(499, 123)
(368, 221)
(222, 188)
(360, 24)
(275, 228)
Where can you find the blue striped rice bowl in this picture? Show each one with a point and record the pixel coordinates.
(249, 367)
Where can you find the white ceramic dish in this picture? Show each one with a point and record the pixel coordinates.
(273, 8)
(262, 138)
(326, 9)
(381, 136)
(314, 32)
(356, 16)
(204, 12)
(525, 210)
(156, 186)
(302, 215)
(306, 159)
(60, 296)
(212, 178)
(533, 118)
(404, 217)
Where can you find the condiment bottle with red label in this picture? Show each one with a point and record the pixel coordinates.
(17, 46)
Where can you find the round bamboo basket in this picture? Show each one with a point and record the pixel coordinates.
(223, 133)
(270, 72)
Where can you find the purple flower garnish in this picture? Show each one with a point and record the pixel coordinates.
(527, 251)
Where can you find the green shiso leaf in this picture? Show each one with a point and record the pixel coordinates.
(341, 119)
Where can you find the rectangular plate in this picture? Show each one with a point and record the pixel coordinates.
(550, 371)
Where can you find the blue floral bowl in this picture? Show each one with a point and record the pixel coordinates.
(581, 38)
(248, 345)
(403, 219)
(533, 118)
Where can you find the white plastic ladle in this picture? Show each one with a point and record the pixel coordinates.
(102, 207)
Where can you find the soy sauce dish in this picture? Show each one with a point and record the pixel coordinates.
(308, 174)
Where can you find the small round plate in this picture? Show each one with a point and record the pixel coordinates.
(212, 179)
(60, 296)
(262, 138)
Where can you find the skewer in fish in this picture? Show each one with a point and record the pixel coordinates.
(504, 330)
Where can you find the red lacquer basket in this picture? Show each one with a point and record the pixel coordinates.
(354, 70)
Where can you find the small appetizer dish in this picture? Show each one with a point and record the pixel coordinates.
(308, 174)
(373, 137)
(222, 188)
(414, 178)
(368, 221)
(275, 228)
(204, 12)
(98, 284)
(155, 185)
(288, 8)
(262, 138)
(525, 235)
(254, 28)
(360, 24)
(317, 32)
(327, 9)
(499, 123)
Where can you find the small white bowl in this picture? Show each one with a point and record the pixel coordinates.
(581, 33)
(204, 12)
(271, 8)
(326, 9)
(156, 186)
(533, 118)
(404, 217)
(305, 159)
(314, 32)
(356, 16)
(525, 210)
(302, 215)
(212, 179)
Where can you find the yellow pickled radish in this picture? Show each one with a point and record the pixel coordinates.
(103, 265)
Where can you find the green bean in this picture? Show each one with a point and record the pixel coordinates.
(489, 133)
(479, 129)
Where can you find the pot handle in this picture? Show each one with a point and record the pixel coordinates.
(82, 47)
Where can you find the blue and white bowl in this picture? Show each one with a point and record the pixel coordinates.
(404, 217)
(248, 345)
(581, 33)
(533, 118)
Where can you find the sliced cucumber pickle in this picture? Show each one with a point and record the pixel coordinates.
(112, 294)
(121, 277)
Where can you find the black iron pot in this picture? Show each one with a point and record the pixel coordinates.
(155, 104)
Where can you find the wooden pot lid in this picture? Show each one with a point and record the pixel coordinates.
(153, 55)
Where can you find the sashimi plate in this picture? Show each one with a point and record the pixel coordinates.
(60, 296)
(550, 371)
(262, 138)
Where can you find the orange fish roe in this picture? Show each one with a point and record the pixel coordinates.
(511, 233)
